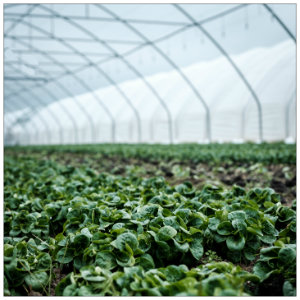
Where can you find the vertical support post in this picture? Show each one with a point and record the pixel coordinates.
(287, 110)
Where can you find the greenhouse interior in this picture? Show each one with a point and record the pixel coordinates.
(149, 149)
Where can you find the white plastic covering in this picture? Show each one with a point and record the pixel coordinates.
(83, 106)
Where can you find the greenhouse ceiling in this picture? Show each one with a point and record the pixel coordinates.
(62, 51)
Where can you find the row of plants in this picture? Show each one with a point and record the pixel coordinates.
(210, 153)
(127, 235)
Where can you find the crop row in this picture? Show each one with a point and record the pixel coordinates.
(211, 153)
(113, 235)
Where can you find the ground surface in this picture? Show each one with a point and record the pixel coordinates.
(137, 194)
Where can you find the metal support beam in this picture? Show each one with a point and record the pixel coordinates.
(14, 122)
(18, 78)
(34, 110)
(110, 80)
(88, 17)
(44, 53)
(171, 62)
(93, 36)
(48, 91)
(62, 87)
(71, 39)
(233, 64)
(21, 17)
(141, 46)
(62, 53)
(53, 115)
(287, 111)
(130, 66)
(281, 23)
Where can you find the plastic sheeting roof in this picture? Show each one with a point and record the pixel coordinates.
(149, 73)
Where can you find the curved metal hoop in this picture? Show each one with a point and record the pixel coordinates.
(85, 112)
(33, 110)
(168, 35)
(281, 23)
(91, 63)
(104, 74)
(14, 122)
(39, 100)
(48, 91)
(235, 67)
(287, 111)
(116, 54)
(170, 61)
(160, 39)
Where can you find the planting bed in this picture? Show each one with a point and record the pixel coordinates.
(150, 220)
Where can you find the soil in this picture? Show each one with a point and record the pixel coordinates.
(58, 276)
(34, 293)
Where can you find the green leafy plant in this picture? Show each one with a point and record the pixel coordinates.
(128, 235)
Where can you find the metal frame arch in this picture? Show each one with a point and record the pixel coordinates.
(33, 109)
(287, 111)
(47, 91)
(9, 122)
(236, 68)
(44, 87)
(12, 125)
(88, 116)
(38, 99)
(170, 61)
(110, 80)
(27, 13)
(203, 21)
(281, 23)
(129, 65)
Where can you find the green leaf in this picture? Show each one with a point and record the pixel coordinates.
(225, 228)
(8, 250)
(37, 280)
(213, 223)
(91, 273)
(85, 291)
(44, 261)
(81, 241)
(70, 290)
(196, 248)
(166, 233)
(106, 260)
(219, 238)
(287, 255)
(239, 225)
(174, 273)
(288, 289)
(269, 228)
(146, 261)
(181, 247)
(235, 243)
(126, 238)
(254, 230)
(237, 215)
(249, 254)
(268, 239)
(64, 255)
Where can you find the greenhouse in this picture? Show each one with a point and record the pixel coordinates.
(149, 149)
